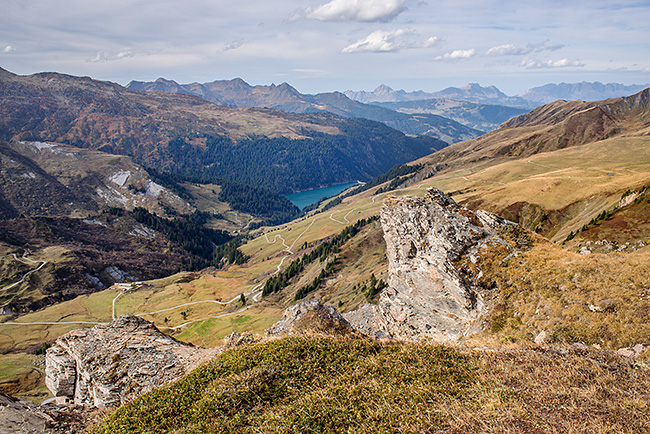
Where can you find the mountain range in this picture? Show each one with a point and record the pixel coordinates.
(452, 115)
(531, 98)
(238, 93)
(283, 152)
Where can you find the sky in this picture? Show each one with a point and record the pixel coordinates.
(327, 45)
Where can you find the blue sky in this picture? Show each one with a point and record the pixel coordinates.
(321, 45)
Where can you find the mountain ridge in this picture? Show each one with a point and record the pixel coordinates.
(473, 92)
(238, 93)
(281, 151)
(556, 125)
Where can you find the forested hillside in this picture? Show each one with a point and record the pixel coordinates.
(186, 135)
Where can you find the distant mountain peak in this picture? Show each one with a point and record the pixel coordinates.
(164, 80)
(473, 86)
(286, 85)
(382, 88)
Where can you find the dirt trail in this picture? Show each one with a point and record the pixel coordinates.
(43, 263)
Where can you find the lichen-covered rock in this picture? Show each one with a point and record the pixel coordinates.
(112, 363)
(310, 315)
(428, 295)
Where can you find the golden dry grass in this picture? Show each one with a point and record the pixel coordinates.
(577, 183)
(597, 299)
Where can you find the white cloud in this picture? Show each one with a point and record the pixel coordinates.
(546, 64)
(8, 49)
(354, 10)
(515, 50)
(384, 42)
(458, 55)
(233, 45)
(103, 56)
(432, 42)
(507, 50)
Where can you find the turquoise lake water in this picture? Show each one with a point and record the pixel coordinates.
(304, 198)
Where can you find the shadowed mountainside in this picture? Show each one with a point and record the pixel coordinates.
(484, 117)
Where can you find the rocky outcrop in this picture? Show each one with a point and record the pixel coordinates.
(113, 363)
(312, 316)
(21, 417)
(24, 417)
(429, 296)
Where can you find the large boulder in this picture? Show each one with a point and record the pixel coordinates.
(429, 296)
(110, 364)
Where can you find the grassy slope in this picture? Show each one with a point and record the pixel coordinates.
(11, 271)
(571, 297)
(629, 225)
(576, 183)
(205, 198)
(22, 372)
(318, 384)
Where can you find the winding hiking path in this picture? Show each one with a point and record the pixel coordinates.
(114, 300)
(255, 293)
(345, 217)
(546, 167)
(43, 263)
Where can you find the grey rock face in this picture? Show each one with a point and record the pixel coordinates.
(19, 417)
(428, 296)
(60, 371)
(113, 363)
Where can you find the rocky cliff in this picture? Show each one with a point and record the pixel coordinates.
(430, 295)
(113, 363)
